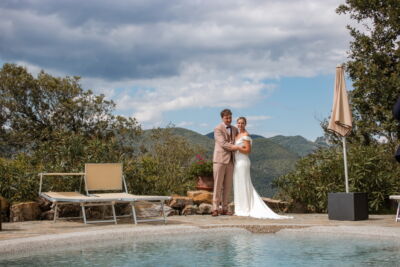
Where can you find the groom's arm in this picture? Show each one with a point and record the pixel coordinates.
(220, 139)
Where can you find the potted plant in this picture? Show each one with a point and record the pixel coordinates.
(202, 169)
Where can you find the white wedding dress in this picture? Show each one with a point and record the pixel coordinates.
(247, 201)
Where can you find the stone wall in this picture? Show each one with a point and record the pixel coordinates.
(195, 202)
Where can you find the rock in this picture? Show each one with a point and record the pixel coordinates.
(4, 209)
(231, 207)
(190, 210)
(204, 208)
(192, 194)
(276, 204)
(149, 209)
(179, 202)
(72, 210)
(47, 215)
(96, 213)
(25, 211)
(4, 205)
(200, 196)
(44, 204)
(298, 208)
(170, 211)
(122, 208)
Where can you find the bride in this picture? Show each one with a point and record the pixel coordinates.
(247, 201)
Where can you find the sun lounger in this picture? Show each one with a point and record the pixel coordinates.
(68, 198)
(397, 198)
(100, 177)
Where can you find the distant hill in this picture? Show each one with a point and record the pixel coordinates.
(268, 159)
(321, 142)
(194, 138)
(296, 144)
(254, 136)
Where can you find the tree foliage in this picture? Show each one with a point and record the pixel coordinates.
(371, 169)
(51, 124)
(36, 110)
(165, 168)
(374, 67)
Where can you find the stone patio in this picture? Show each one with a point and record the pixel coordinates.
(301, 221)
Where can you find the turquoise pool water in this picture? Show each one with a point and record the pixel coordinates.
(226, 250)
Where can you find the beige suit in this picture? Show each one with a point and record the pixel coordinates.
(223, 165)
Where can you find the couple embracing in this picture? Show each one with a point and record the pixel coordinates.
(231, 165)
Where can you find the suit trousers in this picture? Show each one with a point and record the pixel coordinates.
(223, 179)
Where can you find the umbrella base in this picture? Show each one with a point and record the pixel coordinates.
(347, 206)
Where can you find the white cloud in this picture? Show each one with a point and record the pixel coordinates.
(152, 57)
(184, 124)
(194, 88)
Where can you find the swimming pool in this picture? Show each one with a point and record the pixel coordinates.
(226, 249)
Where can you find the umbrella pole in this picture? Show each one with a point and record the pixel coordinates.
(346, 175)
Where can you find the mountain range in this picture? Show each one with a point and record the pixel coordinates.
(270, 157)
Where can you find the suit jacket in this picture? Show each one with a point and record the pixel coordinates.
(223, 144)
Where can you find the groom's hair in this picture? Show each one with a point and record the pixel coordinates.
(226, 112)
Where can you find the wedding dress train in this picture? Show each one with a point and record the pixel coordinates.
(246, 199)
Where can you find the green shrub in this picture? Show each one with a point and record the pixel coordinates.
(19, 180)
(164, 169)
(51, 124)
(372, 169)
(201, 167)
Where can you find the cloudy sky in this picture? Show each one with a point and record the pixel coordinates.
(181, 62)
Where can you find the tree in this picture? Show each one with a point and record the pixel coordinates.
(37, 110)
(374, 67)
(57, 126)
(165, 167)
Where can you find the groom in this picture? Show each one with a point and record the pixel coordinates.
(223, 160)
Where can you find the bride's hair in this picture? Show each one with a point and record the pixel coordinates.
(242, 118)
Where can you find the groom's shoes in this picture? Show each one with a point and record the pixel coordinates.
(214, 213)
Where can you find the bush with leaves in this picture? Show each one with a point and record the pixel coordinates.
(201, 167)
(374, 67)
(164, 169)
(51, 124)
(36, 110)
(19, 179)
(372, 169)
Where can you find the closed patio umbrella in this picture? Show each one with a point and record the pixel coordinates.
(341, 119)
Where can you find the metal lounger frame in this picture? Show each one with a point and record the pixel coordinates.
(144, 198)
(133, 199)
(397, 198)
(83, 203)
